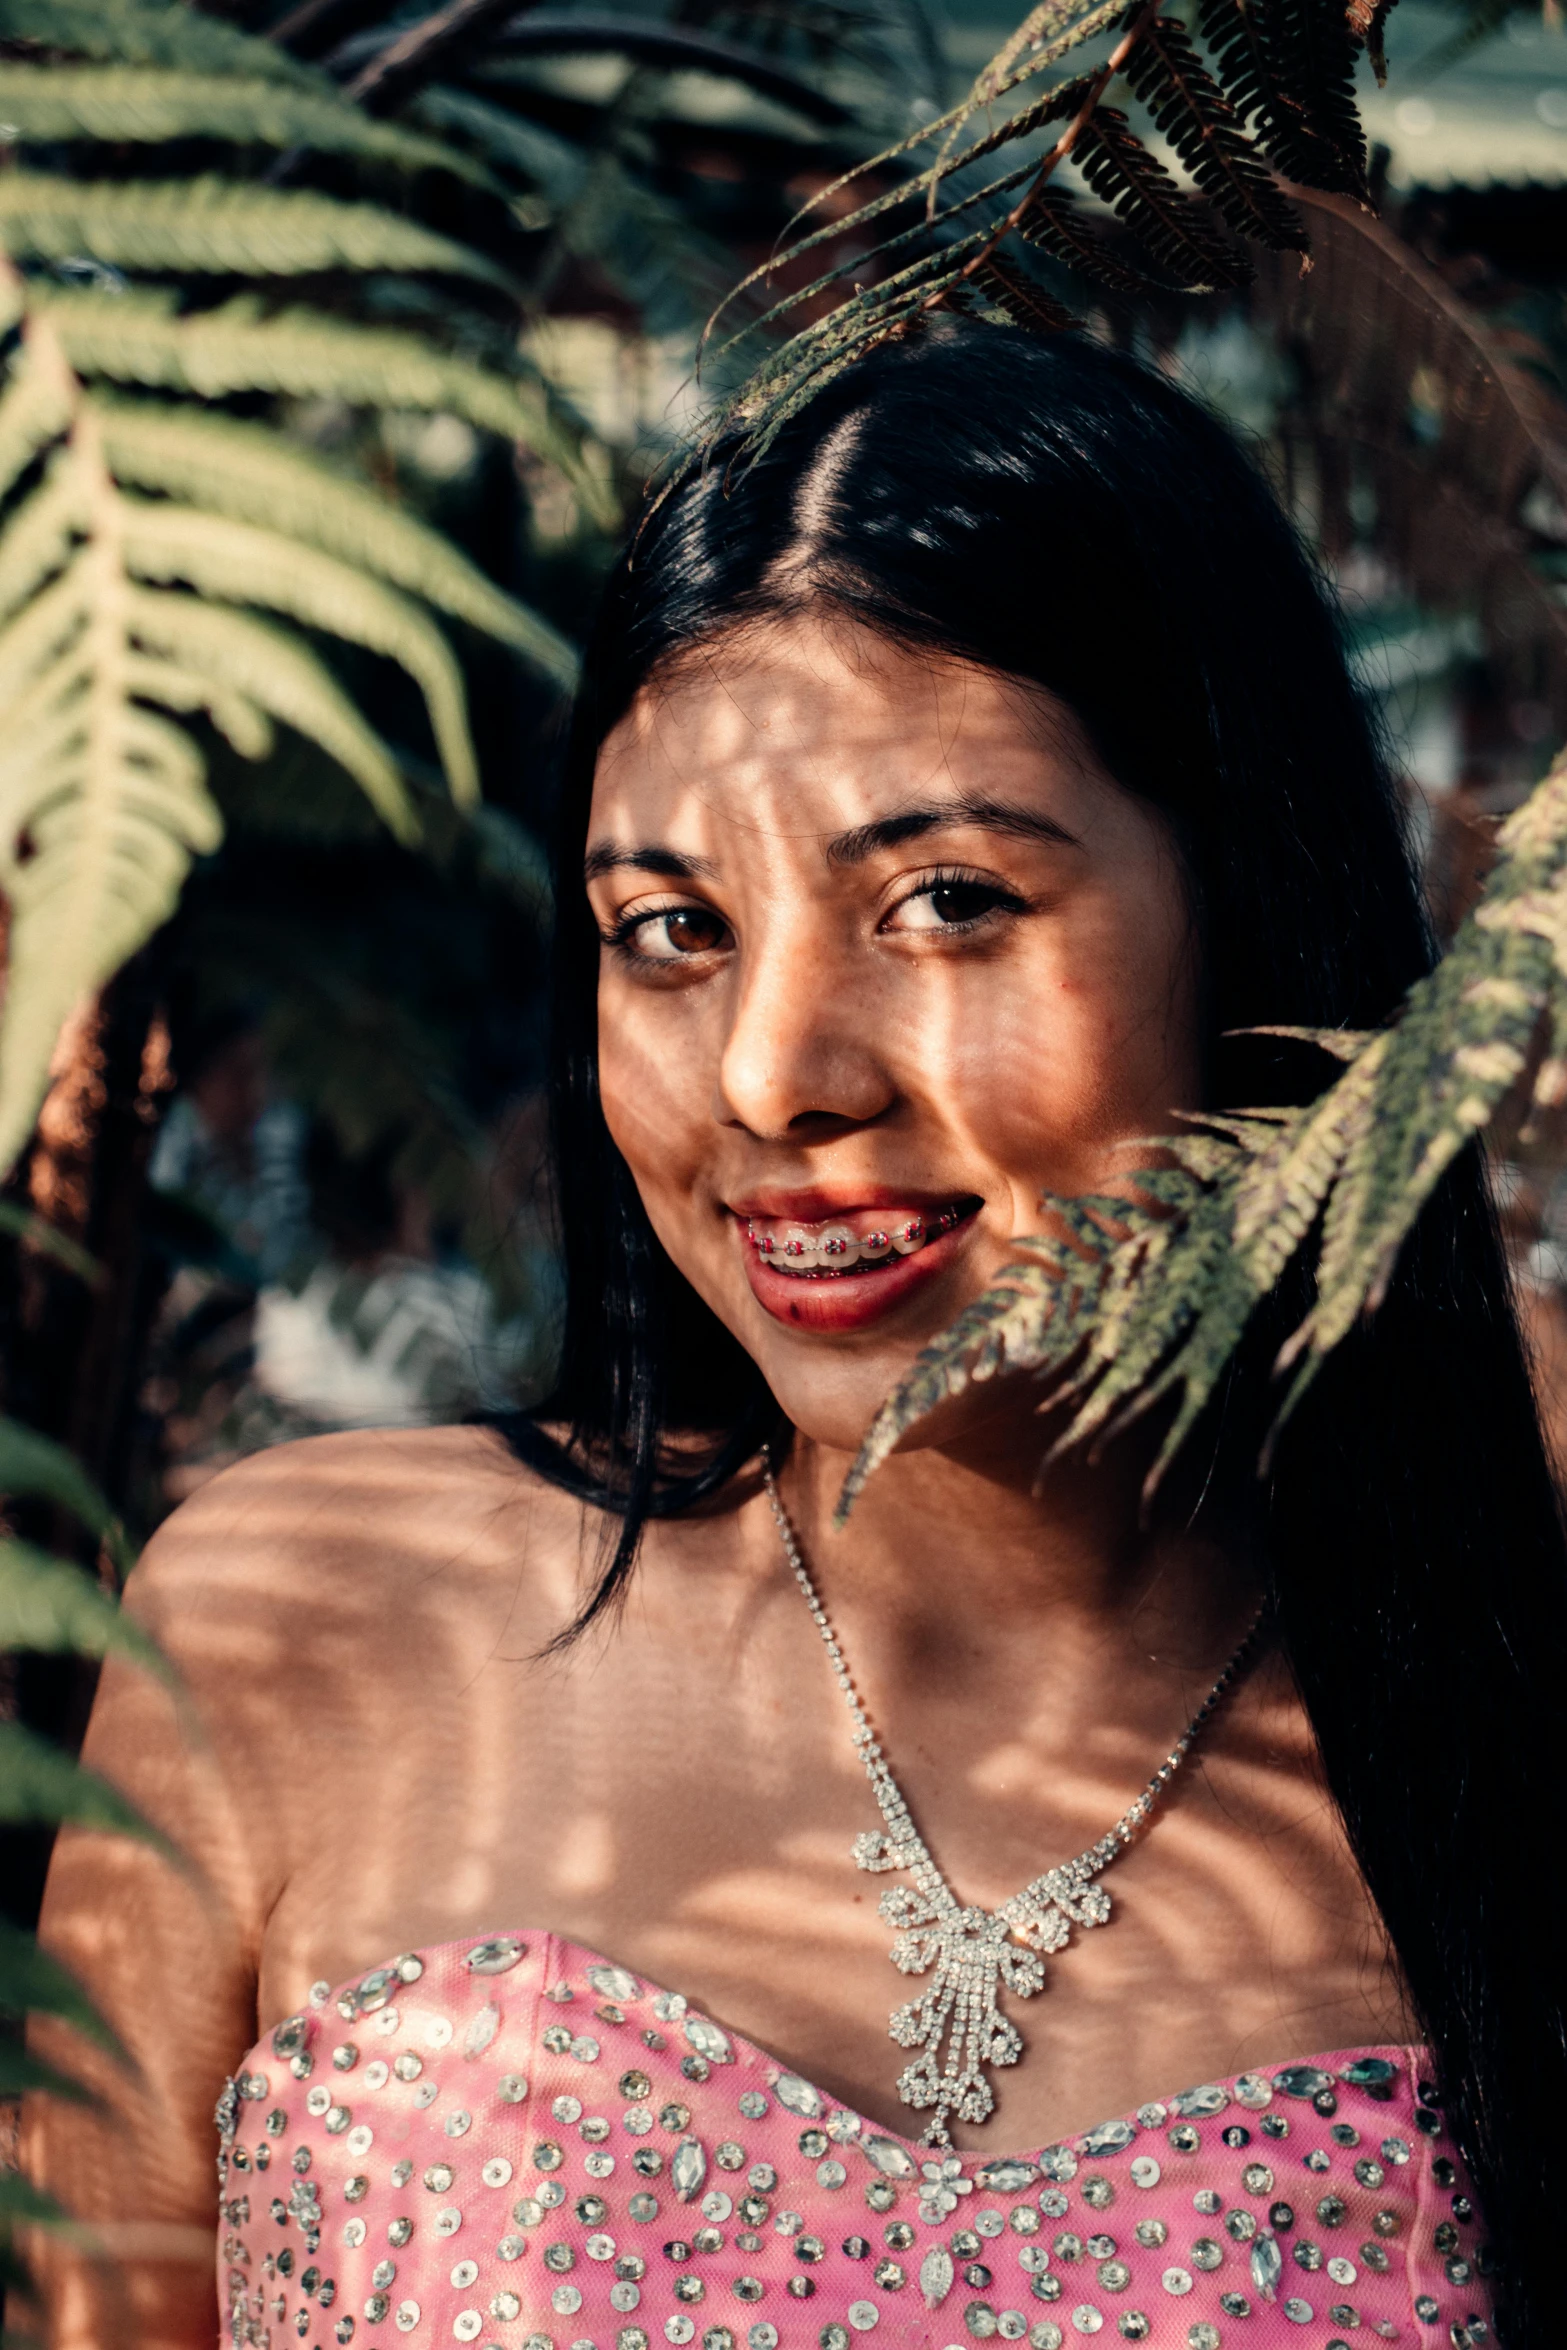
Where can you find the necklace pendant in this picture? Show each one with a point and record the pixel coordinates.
(956, 2024)
(971, 1955)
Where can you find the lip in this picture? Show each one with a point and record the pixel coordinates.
(818, 1203)
(845, 1301)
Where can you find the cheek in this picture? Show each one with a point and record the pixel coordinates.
(1093, 1040)
(654, 1085)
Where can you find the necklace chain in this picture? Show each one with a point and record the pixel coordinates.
(973, 1954)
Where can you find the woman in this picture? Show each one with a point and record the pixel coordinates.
(946, 787)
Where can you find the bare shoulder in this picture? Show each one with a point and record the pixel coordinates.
(356, 1529)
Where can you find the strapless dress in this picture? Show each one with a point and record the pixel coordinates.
(515, 2143)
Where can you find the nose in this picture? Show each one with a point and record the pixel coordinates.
(803, 1051)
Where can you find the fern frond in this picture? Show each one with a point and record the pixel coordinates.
(214, 226)
(98, 837)
(34, 410)
(1060, 26)
(40, 1786)
(243, 724)
(38, 638)
(103, 801)
(38, 536)
(1278, 98)
(23, 2075)
(35, 1466)
(1036, 1314)
(277, 672)
(1187, 1261)
(251, 474)
(52, 1606)
(949, 160)
(139, 338)
(1457, 1053)
(240, 564)
(556, 167)
(1019, 298)
(1135, 184)
(1054, 223)
(1287, 67)
(1207, 134)
(32, 1982)
(140, 108)
(139, 32)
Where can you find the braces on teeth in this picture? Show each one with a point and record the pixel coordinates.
(835, 1248)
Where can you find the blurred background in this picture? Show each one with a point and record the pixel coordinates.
(299, 1134)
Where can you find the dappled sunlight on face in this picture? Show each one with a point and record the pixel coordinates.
(884, 943)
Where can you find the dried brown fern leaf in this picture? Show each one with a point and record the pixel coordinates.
(1058, 30)
(925, 184)
(1135, 184)
(1019, 298)
(1210, 138)
(1054, 223)
(1293, 90)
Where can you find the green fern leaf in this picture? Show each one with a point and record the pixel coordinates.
(218, 227)
(35, 408)
(1186, 1264)
(240, 564)
(138, 32)
(139, 108)
(1206, 133)
(96, 832)
(22, 2202)
(22, 2074)
(40, 1785)
(253, 475)
(36, 1468)
(233, 653)
(39, 533)
(30, 1228)
(34, 1983)
(1458, 1051)
(50, 1605)
(138, 338)
(1035, 1315)
(243, 724)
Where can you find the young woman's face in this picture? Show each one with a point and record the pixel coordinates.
(887, 953)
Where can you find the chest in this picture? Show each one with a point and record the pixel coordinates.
(691, 1806)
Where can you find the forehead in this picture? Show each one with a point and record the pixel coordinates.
(807, 725)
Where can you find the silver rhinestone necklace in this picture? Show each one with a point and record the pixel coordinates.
(956, 2024)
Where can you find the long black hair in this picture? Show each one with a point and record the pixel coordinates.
(1056, 512)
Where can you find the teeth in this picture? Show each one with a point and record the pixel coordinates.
(835, 1248)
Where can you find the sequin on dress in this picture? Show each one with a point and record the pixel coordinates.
(512, 2142)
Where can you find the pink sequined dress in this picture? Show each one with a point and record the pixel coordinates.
(513, 2143)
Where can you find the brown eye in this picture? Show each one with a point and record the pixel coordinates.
(673, 934)
(952, 902)
(692, 931)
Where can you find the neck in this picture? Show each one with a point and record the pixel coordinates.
(964, 1568)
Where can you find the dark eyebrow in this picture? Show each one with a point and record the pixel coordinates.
(673, 863)
(890, 832)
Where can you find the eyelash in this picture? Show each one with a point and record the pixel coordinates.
(1004, 900)
(621, 935)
